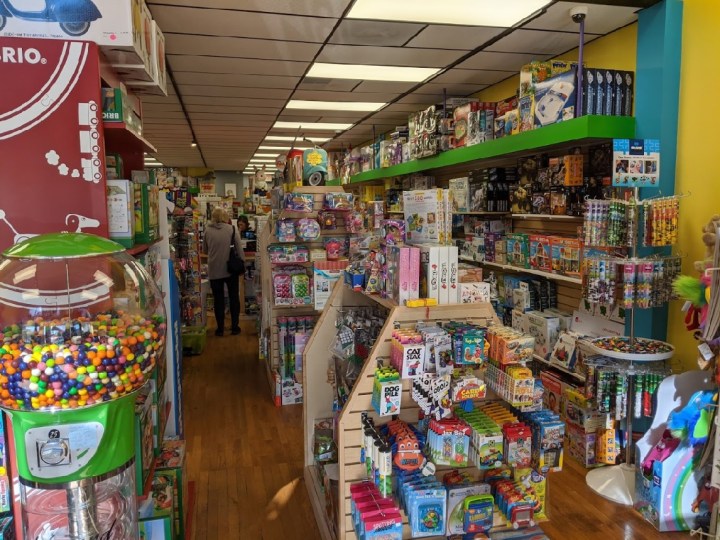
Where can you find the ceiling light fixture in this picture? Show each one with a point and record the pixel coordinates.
(370, 73)
(193, 144)
(504, 13)
(362, 106)
(325, 126)
(261, 161)
(291, 139)
(265, 155)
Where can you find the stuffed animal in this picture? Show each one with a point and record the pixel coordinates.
(693, 420)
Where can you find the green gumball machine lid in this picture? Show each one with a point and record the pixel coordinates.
(63, 245)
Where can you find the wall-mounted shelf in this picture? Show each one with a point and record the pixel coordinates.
(510, 268)
(118, 135)
(583, 130)
(142, 248)
(547, 217)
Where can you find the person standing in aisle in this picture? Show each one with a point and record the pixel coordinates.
(243, 224)
(219, 236)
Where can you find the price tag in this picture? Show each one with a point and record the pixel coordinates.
(706, 351)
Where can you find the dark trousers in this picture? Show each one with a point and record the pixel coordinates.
(218, 289)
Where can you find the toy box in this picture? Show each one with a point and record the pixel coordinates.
(607, 447)
(459, 194)
(473, 293)
(144, 439)
(424, 216)
(121, 215)
(403, 280)
(455, 504)
(129, 52)
(453, 254)
(158, 508)
(609, 92)
(540, 252)
(564, 353)
(291, 391)
(555, 99)
(461, 120)
(158, 85)
(172, 464)
(571, 170)
(599, 85)
(430, 272)
(147, 209)
(581, 444)
(114, 167)
(566, 256)
(325, 274)
(116, 107)
(553, 391)
(518, 250)
(545, 329)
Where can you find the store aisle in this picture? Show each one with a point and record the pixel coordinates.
(244, 455)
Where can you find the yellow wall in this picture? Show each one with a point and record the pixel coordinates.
(617, 51)
(698, 142)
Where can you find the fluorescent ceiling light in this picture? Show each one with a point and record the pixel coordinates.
(370, 73)
(326, 126)
(291, 139)
(282, 149)
(261, 161)
(265, 155)
(363, 106)
(503, 13)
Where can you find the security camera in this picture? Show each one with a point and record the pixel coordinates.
(578, 13)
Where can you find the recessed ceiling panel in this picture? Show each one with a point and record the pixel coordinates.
(500, 61)
(601, 19)
(240, 47)
(387, 56)
(213, 22)
(293, 116)
(377, 33)
(201, 90)
(233, 102)
(472, 76)
(392, 88)
(343, 96)
(214, 64)
(312, 8)
(243, 81)
(451, 89)
(418, 99)
(538, 42)
(224, 109)
(332, 85)
(438, 36)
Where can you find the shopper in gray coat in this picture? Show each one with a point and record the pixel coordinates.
(217, 241)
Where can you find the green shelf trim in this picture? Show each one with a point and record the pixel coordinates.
(572, 131)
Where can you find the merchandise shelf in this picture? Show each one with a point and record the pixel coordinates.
(142, 248)
(510, 268)
(118, 135)
(548, 217)
(319, 395)
(585, 129)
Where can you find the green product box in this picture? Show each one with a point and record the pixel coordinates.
(518, 249)
(114, 168)
(156, 511)
(121, 218)
(114, 105)
(144, 439)
(147, 206)
(172, 463)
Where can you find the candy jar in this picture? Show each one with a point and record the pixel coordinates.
(82, 329)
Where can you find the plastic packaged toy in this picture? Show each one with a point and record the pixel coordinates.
(338, 201)
(299, 202)
(285, 230)
(307, 229)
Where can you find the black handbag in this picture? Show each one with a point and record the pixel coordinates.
(235, 265)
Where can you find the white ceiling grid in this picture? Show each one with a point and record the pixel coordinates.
(236, 63)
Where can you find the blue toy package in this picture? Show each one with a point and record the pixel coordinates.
(555, 99)
(427, 512)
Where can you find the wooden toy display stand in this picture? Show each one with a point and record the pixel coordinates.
(267, 237)
(319, 395)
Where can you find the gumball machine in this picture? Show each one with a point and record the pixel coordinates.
(82, 326)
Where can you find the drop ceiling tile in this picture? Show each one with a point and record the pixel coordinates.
(349, 118)
(374, 97)
(392, 88)
(475, 77)
(240, 47)
(215, 64)
(312, 8)
(331, 116)
(400, 107)
(454, 90)
(149, 106)
(330, 85)
(214, 22)
(160, 99)
(225, 109)
(150, 113)
(500, 61)
(454, 37)
(377, 33)
(418, 99)
(391, 116)
(538, 42)
(231, 79)
(204, 91)
(234, 102)
(163, 121)
(387, 56)
(601, 19)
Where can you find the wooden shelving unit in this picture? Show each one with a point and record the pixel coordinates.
(318, 402)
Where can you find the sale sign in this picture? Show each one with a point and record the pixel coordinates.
(51, 149)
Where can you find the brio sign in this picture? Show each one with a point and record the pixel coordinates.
(18, 55)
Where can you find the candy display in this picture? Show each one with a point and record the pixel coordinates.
(638, 349)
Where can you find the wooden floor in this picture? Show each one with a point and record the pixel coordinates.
(245, 457)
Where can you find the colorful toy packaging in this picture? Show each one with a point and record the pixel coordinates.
(540, 253)
(566, 256)
(459, 194)
(299, 202)
(172, 464)
(425, 216)
(387, 392)
(373, 515)
(338, 201)
(407, 354)
(288, 254)
(448, 442)
(518, 250)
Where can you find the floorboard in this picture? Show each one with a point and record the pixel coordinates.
(245, 457)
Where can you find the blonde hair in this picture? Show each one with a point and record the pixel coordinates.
(218, 215)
